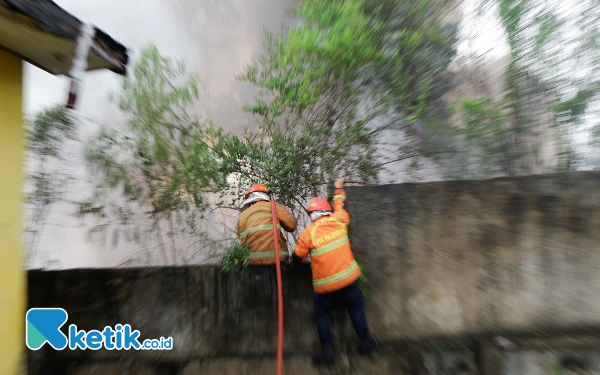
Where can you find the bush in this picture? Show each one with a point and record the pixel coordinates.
(362, 280)
(237, 253)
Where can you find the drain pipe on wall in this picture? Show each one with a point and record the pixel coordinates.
(80, 62)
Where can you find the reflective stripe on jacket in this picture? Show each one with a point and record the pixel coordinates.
(326, 240)
(255, 228)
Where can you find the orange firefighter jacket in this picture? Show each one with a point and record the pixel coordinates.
(326, 240)
(255, 228)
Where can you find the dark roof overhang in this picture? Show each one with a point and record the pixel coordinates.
(45, 35)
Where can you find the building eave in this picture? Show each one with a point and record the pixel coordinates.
(44, 34)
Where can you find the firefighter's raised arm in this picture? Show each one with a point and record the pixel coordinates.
(339, 198)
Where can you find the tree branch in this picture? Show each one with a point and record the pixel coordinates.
(204, 247)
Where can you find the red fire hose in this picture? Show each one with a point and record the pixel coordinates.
(279, 291)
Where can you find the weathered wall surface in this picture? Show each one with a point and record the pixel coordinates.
(478, 256)
(207, 313)
(463, 261)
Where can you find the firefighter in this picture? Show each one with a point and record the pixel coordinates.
(255, 226)
(335, 273)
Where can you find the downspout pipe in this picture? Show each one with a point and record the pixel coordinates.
(80, 62)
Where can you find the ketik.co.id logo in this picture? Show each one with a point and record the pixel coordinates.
(43, 326)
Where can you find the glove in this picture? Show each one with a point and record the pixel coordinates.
(296, 259)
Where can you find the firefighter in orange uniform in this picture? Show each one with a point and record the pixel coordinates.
(335, 273)
(255, 226)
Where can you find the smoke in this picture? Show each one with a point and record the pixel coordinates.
(216, 39)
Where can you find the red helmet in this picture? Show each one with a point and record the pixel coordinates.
(319, 204)
(257, 188)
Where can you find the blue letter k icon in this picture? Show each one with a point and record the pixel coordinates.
(43, 325)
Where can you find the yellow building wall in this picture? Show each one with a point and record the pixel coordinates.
(12, 276)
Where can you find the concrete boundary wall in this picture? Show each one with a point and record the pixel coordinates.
(468, 257)
(458, 262)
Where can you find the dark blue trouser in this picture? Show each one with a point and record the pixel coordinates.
(351, 298)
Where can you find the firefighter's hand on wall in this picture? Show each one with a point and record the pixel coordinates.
(339, 183)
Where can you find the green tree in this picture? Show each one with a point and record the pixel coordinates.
(486, 139)
(418, 43)
(552, 69)
(157, 167)
(324, 82)
(47, 176)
